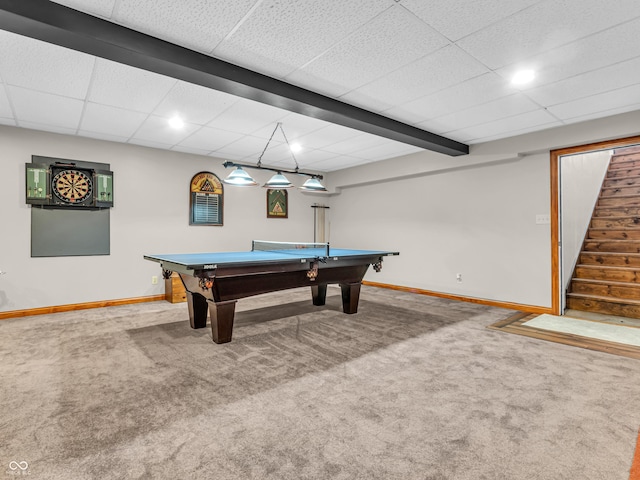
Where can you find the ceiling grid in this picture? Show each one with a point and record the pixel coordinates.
(440, 67)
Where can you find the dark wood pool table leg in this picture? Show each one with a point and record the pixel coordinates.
(350, 297)
(222, 314)
(319, 294)
(197, 310)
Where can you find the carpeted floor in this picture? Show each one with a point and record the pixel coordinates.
(412, 387)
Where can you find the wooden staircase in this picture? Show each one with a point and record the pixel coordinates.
(606, 278)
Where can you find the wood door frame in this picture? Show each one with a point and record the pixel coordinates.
(555, 205)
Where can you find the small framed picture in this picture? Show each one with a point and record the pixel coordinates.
(277, 205)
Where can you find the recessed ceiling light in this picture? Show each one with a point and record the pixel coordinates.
(295, 147)
(523, 77)
(176, 122)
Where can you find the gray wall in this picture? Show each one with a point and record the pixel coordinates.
(151, 215)
(473, 215)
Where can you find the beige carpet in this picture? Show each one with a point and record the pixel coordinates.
(411, 387)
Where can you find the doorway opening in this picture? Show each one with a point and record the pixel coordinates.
(566, 196)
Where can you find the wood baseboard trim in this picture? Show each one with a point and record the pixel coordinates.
(156, 298)
(480, 301)
(78, 306)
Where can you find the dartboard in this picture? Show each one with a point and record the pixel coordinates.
(72, 186)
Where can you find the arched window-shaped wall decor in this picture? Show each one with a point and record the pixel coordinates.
(205, 199)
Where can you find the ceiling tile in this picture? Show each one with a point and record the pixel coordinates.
(387, 150)
(245, 147)
(111, 120)
(7, 121)
(294, 125)
(47, 127)
(328, 136)
(278, 153)
(5, 107)
(208, 139)
(338, 163)
(227, 156)
(475, 91)
(597, 103)
(356, 144)
(545, 26)
(156, 129)
(127, 87)
(392, 39)
(458, 18)
(97, 8)
(103, 136)
(264, 40)
(150, 144)
(597, 51)
(45, 109)
(439, 70)
(185, 149)
(395, 57)
(196, 24)
(629, 107)
(30, 63)
(487, 112)
(597, 81)
(194, 103)
(505, 126)
(246, 116)
(309, 157)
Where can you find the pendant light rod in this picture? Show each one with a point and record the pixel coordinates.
(229, 164)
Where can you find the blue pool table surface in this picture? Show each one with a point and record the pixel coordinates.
(200, 260)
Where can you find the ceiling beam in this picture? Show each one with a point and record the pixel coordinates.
(60, 25)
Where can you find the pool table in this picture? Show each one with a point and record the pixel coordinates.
(215, 281)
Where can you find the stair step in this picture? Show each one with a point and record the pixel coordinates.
(619, 201)
(627, 221)
(605, 288)
(603, 272)
(603, 304)
(610, 259)
(619, 246)
(623, 155)
(622, 181)
(621, 163)
(619, 233)
(616, 211)
(623, 172)
(627, 150)
(619, 191)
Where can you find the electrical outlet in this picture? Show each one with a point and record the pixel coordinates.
(459, 277)
(154, 280)
(543, 219)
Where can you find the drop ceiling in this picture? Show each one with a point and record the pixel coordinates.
(439, 66)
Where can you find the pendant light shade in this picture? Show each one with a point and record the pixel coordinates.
(278, 181)
(240, 178)
(313, 185)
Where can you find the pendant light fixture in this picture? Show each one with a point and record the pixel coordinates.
(313, 185)
(240, 177)
(278, 181)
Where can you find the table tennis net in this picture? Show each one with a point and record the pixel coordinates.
(291, 247)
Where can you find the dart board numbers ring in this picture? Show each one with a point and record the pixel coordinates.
(73, 186)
